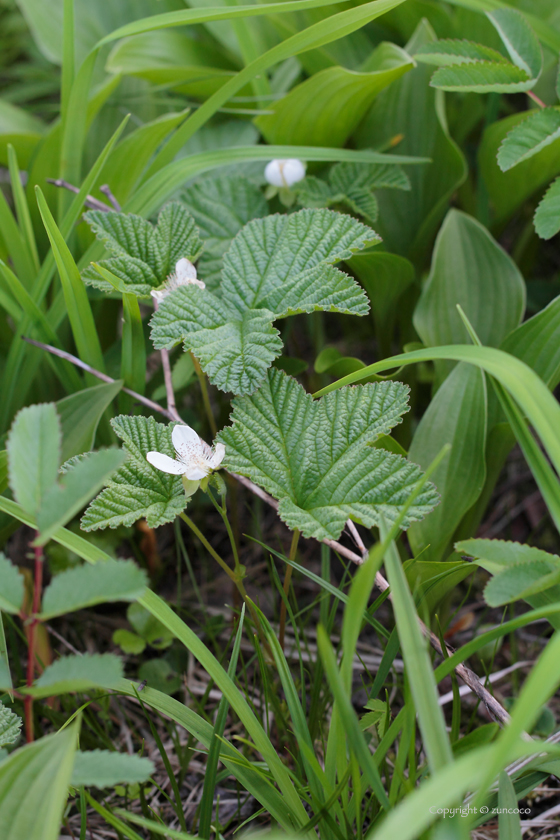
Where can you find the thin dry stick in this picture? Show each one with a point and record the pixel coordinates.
(89, 201)
(106, 190)
(495, 709)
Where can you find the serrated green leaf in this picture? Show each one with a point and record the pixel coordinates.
(10, 726)
(314, 456)
(34, 454)
(528, 138)
(68, 496)
(11, 586)
(78, 673)
(138, 490)
(447, 52)
(84, 586)
(521, 581)
(499, 554)
(220, 208)
(519, 40)
(80, 414)
(41, 770)
(102, 768)
(483, 77)
(143, 255)
(547, 214)
(277, 266)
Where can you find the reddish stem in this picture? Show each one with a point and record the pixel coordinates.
(37, 589)
(536, 99)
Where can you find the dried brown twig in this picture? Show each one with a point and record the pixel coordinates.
(495, 709)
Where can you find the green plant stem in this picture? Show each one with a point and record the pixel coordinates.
(229, 572)
(205, 395)
(239, 569)
(37, 587)
(286, 587)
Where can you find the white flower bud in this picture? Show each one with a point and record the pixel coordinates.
(184, 275)
(284, 173)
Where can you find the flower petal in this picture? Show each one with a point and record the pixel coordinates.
(218, 456)
(165, 463)
(185, 438)
(196, 473)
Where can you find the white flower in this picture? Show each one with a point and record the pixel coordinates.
(195, 459)
(284, 173)
(184, 275)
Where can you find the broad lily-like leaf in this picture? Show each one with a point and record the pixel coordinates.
(275, 267)
(137, 490)
(142, 255)
(317, 458)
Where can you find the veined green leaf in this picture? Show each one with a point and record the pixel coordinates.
(220, 208)
(483, 77)
(74, 490)
(10, 726)
(34, 454)
(547, 214)
(537, 343)
(456, 415)
(327, 108)
(78, 673)
(315, 458)
(143, 256)
(80, 414)
(43, 768)
(446, 52)
(103, 768)
(508, 190)
(84, 586)
(527, 138)
(275, 267)
(408, 221)
(469, 268)
(137, 489)
(11, 587)
(519, 40)
(516, 384)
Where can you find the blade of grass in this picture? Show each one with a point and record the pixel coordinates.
(133, 354)
(80, 315)
(22, 209)
(207, 800)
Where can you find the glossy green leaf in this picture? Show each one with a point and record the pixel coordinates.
(508, 190)
(42, 770)
(537, 343)
(274, 431)
(68, 496)
(469, 268)
(11, 586)
(85, 586)
(103, 768)
(327, 108)
(277, 266)
(407, 221)
(78, 673)
(21, 129)
(547, 215)
(519, 40)
(80, 414)
(527, 138)
(34, 454)
(456, 415)
(137, 490)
